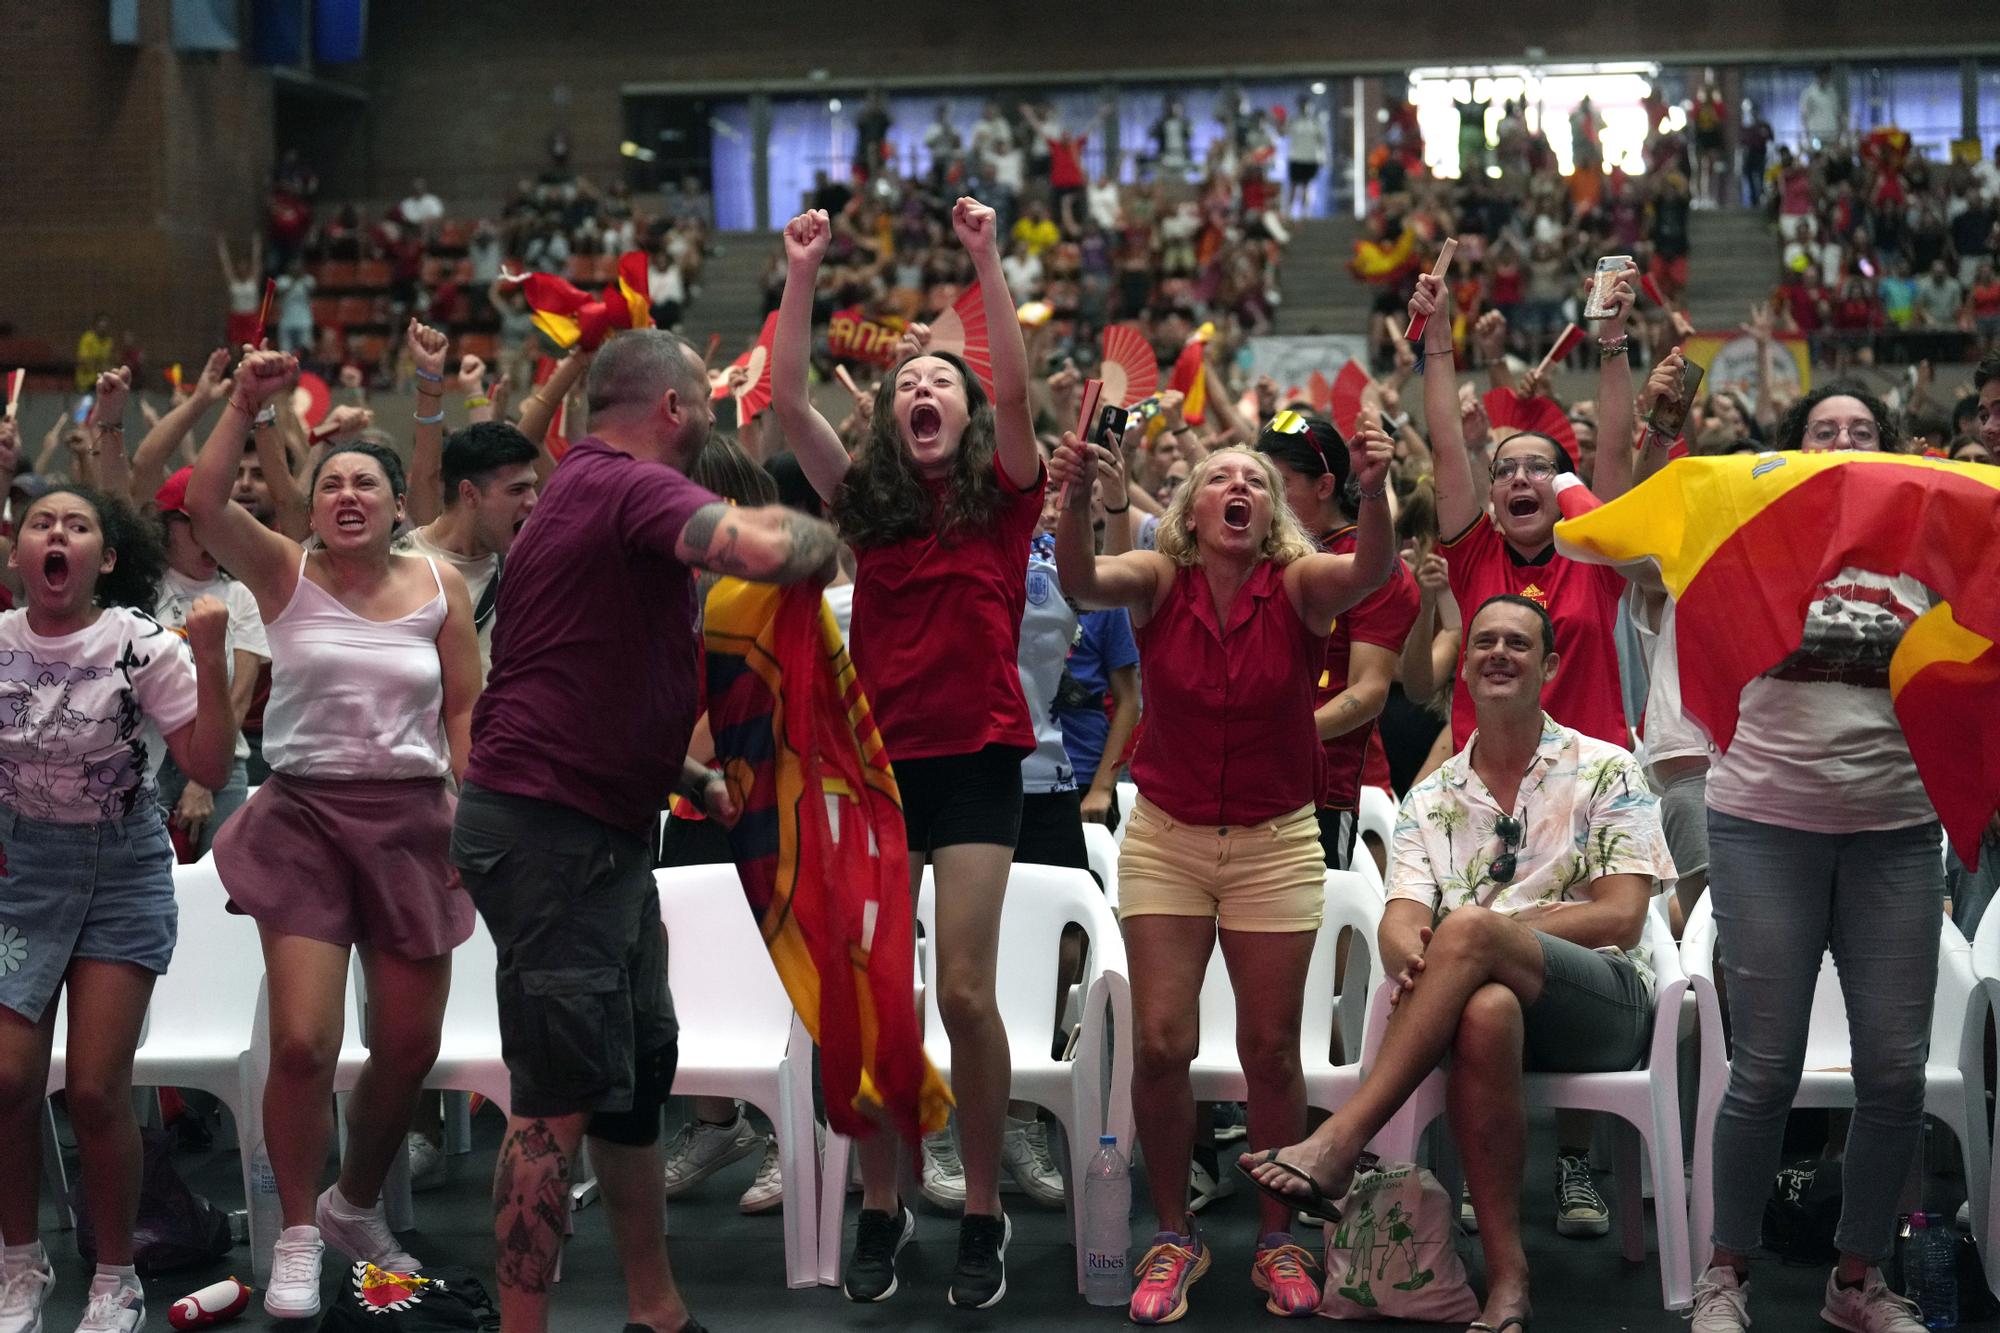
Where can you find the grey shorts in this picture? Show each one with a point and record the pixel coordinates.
(1684, 816)
(103, 891)
(575, 918)
(1594, 1015)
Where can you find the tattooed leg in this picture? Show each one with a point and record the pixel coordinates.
(530, 1206)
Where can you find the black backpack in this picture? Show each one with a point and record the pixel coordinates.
(1802, 1213)
(432, 1300)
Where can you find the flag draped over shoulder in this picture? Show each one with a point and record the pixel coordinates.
(1744, 545)
(820, 846)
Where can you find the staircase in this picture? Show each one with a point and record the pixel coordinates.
(732, 293)
(1321, 296)
(1732, 262)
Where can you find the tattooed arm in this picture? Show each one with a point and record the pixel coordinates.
(765, 543)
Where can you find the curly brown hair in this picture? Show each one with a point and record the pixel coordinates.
(883, 500)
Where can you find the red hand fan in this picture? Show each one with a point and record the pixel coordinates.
(1130, 371)
(311, 399)
(1541, 415)
(961, 331)
(1343, 407)
(756, 394)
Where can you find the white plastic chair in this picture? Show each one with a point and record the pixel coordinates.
(1088, 1095)
(740, 1036)
(1128, 800)
(1646, 1098)
(1981, 1005)
(1954, 1073)
(1217, 1074)
(1377, 817)
(1101, 846)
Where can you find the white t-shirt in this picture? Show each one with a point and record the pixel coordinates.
(840, 600)
(295, 293)
(245, 632)
(1048, 629)
(422, 208)
(1103, 200)
(74, 712)
(993, 135)
(1817, 744)
(1024, 275)
(1009, 167)
(1668, 732)
(1305, 139)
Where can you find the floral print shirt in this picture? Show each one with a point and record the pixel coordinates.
(1585, 812)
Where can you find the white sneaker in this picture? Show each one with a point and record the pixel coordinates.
(1721, 1302)
(426, 1163)
(116, 1306)
(1205, 1188)
(1580, 1209)
(944, 1175)
(1870, 1307)
(699, 1150)
(23, 1293)
(767, 1191)
(293, 1289)
(1024, 1150)
(362, 1234)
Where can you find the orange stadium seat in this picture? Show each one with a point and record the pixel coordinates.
(371, 273)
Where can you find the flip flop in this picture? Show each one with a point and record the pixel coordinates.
(1511, 1321)
(1318, 1207)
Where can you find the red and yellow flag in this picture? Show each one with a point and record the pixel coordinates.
(568, 316)
(1744, 545)
(820, 846)
(1190, 375)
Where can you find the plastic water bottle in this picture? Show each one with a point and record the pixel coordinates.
(1107, 1226)
(267, 1218)
(1930, 1272)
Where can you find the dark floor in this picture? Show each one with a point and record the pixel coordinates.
(731, 1267)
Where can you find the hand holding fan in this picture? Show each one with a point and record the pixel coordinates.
(1129, 369)
(961, 331)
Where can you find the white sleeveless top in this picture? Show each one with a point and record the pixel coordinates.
(353, 698)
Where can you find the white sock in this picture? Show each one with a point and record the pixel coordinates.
(120, 1275)
(13, 1258)
(342, 1206)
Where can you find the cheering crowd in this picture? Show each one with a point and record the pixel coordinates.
(467, 682)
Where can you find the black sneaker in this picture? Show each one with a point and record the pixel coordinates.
(871, 1265)
(980, 1278)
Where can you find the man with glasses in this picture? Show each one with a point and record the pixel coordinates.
(1518, 889)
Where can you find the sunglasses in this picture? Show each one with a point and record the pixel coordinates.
(1289, 422)
(1504, 865)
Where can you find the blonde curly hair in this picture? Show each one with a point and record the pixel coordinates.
(1285, 542)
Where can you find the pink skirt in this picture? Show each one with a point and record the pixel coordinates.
(348, 862)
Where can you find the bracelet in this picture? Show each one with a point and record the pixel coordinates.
(243, 407)
(1127, 505)
(1375, 494)
(268, 416)
(423, 374)
(431, 420)
(480, 400)
(547, 406)
(1613, 347)
(106, 426)
(424, 391)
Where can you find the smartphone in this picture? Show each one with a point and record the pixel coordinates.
(1146, 408)
(1609, 269)
(1111, 422)
(81, 413)
(1668, 418)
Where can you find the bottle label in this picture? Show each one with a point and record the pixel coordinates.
(1103, 1261)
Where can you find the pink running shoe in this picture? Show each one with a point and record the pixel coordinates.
(1173, 1264)
(1279, 1271)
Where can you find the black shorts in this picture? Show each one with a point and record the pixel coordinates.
(575, 918)
(1337, 832)
(955, 798)
(1052, 830)
(1302, 173)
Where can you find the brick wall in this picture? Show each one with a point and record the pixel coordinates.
(119, 164)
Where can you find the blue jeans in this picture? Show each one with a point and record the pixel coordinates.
(228, 800)
(1782, 897)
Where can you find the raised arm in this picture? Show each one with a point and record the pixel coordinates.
(1133, 580)
(1613, 476)
(762, 543)
(1451, 467)
(1662, 392)
(265, 561)
(479, 405)
(1013, 423)
(1322, 586)
(540, 408)
(281, 452)
(107, 431)
(426, 491)
(149, 462)
(205, 748)
(821, 455)
(1425, 669)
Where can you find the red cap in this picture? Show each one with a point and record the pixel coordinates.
(171, 498)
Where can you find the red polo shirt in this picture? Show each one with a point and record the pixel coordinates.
(937, 631)
(1581, 599)
(1229, 732)
(1382, 618)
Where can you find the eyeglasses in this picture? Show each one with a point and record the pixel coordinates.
(1289, 422)
(1537, 469)
(1504, 865)
(1862, 433)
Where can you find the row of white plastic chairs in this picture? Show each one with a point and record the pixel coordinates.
(740, 1038)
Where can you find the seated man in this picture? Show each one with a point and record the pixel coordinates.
(1518, 891)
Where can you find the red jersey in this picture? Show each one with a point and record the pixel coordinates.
(1229, 734)
(1066, 165)
(1382, 618)
(937, 631)
(1582, 600)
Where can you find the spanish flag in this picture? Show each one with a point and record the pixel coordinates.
(1190, 375)
(567, 316)
(1745, 543)
(820, 846)
(1375, 262)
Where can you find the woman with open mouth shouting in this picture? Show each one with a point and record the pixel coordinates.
(86, 679)
(374, 669)
(1232, 613)
(939, 505)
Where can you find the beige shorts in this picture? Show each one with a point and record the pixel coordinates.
(1269, 876)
